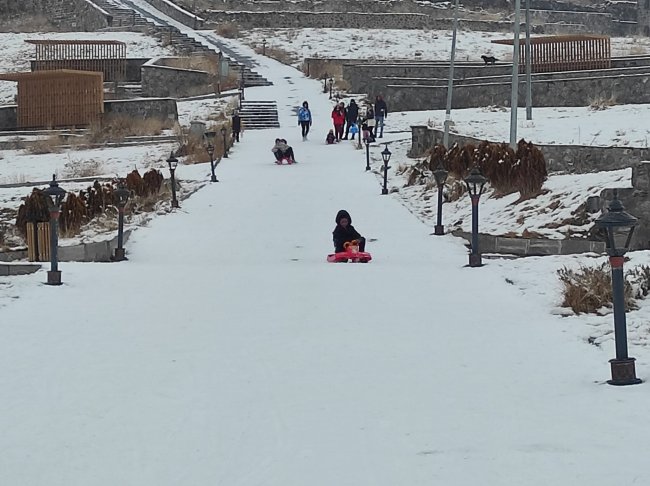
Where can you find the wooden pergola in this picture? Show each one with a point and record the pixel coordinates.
(60, 98)
(564, 52)
(107, 57)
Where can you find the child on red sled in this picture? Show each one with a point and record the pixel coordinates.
(282, 150)
(331, 138)
(345, 233)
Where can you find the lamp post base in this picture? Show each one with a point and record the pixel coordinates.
(175, 204)
(439, 230)
(623, 372)
(213, 179)
(120, 255)
(384, 191)
(54, 277)
(475, 260)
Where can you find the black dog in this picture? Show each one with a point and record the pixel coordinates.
(489, 59)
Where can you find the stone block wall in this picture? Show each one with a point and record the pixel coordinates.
(177, 13)
(161, 108)
(8, 117)
(643, 17)
(628, 89)
(574, 159)
(164, 81)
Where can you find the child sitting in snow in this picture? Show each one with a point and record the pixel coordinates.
(331, 138)
(345, 232)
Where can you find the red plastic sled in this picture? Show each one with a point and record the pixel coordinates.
(349, 256)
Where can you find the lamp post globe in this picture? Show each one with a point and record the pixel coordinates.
(440, 176)
(385, 155)
(225, 144)
(618, 226)
(172, 162)
(121, 195)
(54, 200)
(475, 182)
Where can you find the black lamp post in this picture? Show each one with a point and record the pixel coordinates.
(475, 185)
(440, 175)
(121, 197)
(325, 83)
(55, 198)
(264, 47)
(242, 85)
(619, 226)
(173, 163)
(210, 150)
(367, 142)
(330, 81)
(225, 145)
(385, 155)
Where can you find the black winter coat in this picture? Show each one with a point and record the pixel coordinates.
(352, 113)
(380, 108)
(342, 234)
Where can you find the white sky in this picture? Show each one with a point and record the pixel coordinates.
(227, 351)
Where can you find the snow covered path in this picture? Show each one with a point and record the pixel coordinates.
(227, 352)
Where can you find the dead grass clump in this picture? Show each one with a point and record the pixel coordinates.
(83, 168)
(117, 128)
(229, 30)
(589, 289)
(280, 55)
(47, 145)
(600, 103)
(33, 210)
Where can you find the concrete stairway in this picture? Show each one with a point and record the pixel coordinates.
(183, 44)
(257, 115)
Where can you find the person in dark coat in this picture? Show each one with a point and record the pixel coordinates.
(344, 232)
(381, 113)
(236, 125)
(351, 118)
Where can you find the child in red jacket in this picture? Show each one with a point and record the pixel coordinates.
(338, 116)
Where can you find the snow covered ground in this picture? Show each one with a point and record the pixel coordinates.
(227, 351)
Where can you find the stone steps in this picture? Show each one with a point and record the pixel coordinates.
(258, 115)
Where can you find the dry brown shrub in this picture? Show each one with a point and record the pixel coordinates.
(229, 30)
(47, 145)
(280, 55)
(600, 103)
(83, 168)
(33, 210)
(73, 214)
(588, 289)
(117, 127)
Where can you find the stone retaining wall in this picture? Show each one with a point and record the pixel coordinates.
(161, 108)
(532, 246)
(575, 159)
(98, 251)
(8, 117)
(627, 89)
(162, 81)
(7, 269)
(177, 13)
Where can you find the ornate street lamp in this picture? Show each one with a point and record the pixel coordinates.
(121, 197)
(367, 142)
(330, 81)
(385, 155)
(619, 226)
(55, 198)
(325, 83)
(264, 47)
(225, 145)
(475, 185)
(440, 175)
(208, 138)
(173, 163)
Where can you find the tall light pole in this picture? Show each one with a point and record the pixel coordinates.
(121, 196)
(450, 85)
(172, 162)
(529, 86)
(514, 100)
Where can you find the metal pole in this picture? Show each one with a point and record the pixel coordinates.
(514, 101)
(475, 256)
(225, 147)
(618, 298)
(119, 251)
(450, 85)
(529, 86)
(439, 229)
(384, 190)
(54, 275)
(367, 156)
(174, 200)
